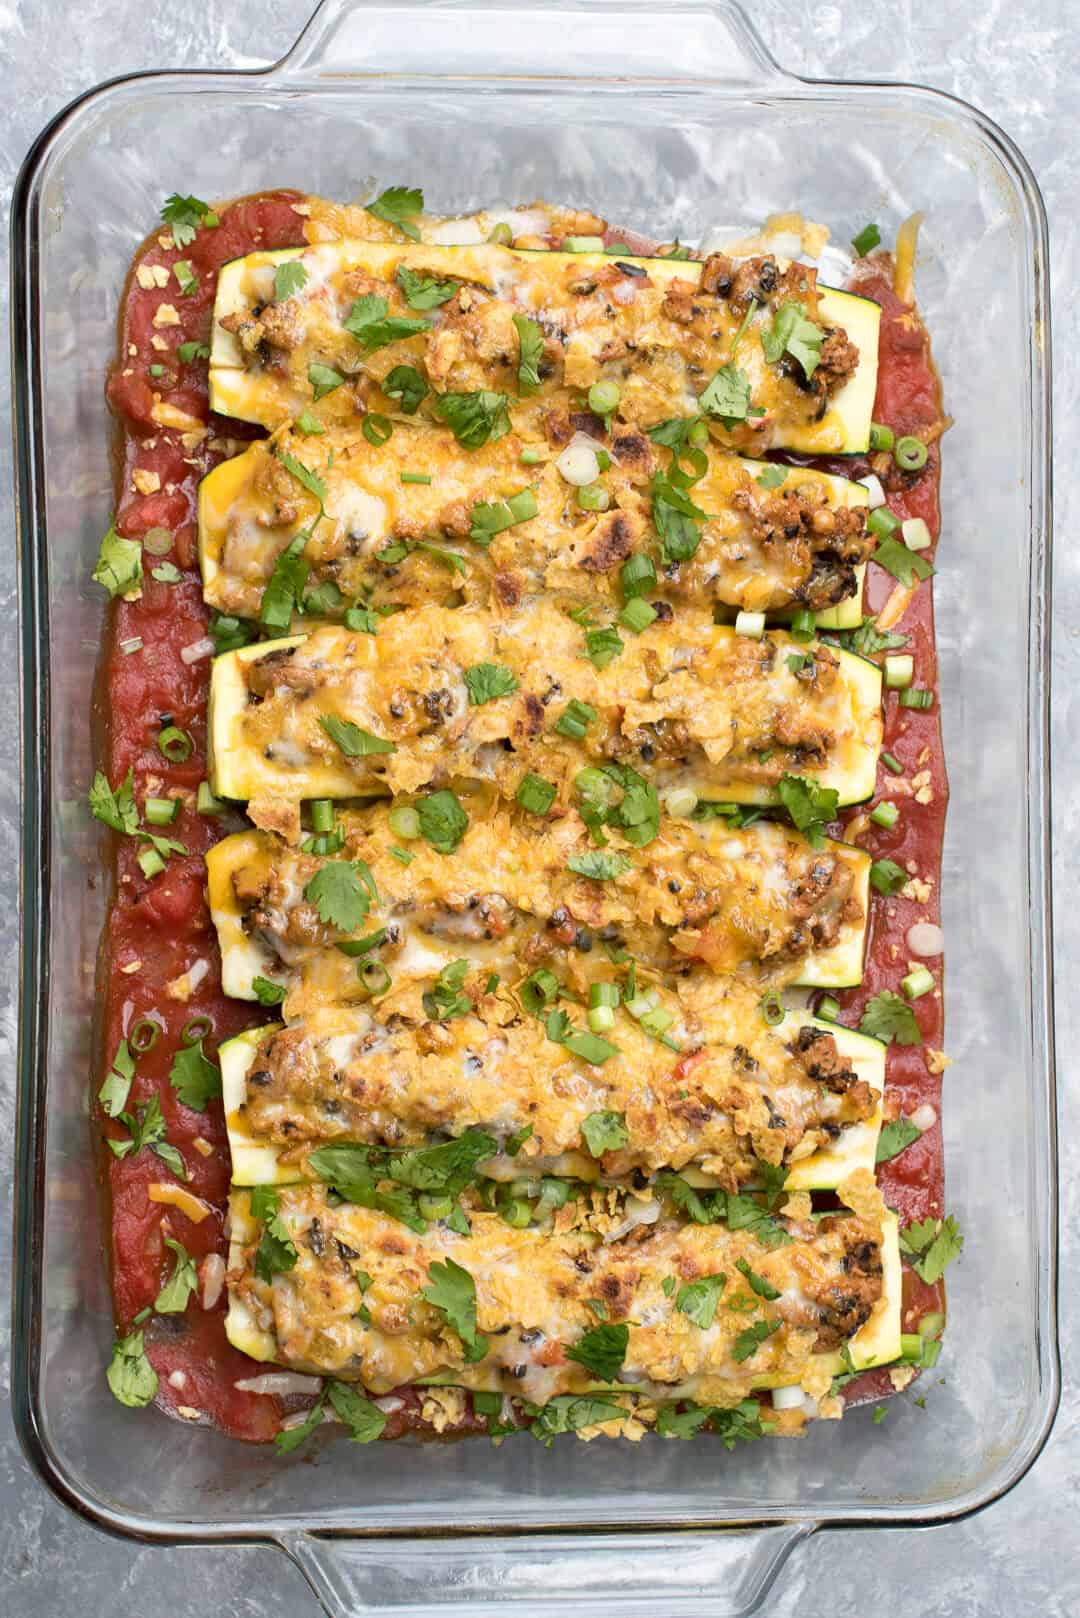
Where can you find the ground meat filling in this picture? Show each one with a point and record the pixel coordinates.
(821, 544)
(817, 1055)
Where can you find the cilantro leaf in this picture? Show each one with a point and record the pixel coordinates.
(604, 1132)
(757, 1283)
(744, 1422)
(906, 565)
(474, 419)
(698, 1300)
(364, 1419)
(340, 895)
(267, 992)
(311, 481)
(282, 596)
(117, 809)
(443, 821)
(932, 1244)
(810, 806)
(292, 1437)
(530, 353)
(184, 215)
(276, 1252)
(186, 278)
(599, 865)
(353, 741)
(324, 379)
(399, 206)
(452, 1290)
(868, 639)
(703, 1207)
(373, 328)
(406, 383)
(445, 1000)
(749, 1341)
(888, 1017)
(671, 1422)
(601, 1350)
(887, 877)
(289, 278)
(448, 1167)
(743, 1213)
(727, 395)
(146, 1128)
(677, 520)
(772, 476)
(895, 1137)
(423, 291)
(487, 681)
(174, 1295)
(674, 432)
(347, 1170)
(793, 332)
(119, 564)
(194, 1077)
(131, 1377)
(114, 1093)
(569, 1413)
(309, 425)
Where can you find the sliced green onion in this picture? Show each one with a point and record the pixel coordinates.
(553, 1194)
(917, 983)
(882, 522)
(531, 457)
(637, 575)
(593, 497)
(916, 534)
(501, 234)
(373, 978)
(828, 1009)
(377, 429)
(868, 238)
(522, 505)
(516, 1212)
(158, 541)
(803, 625)
(910, 454)
(175, 744)
(932, 1324)
(194, 1029)
(916, 698)
(613, 249)
(603, 994)
(575, 719)
(434, 1206)
(161, 811)
(604, 398)
(583, 244)
(911, 1346)
(596, 785)
(539, 990)
(772, 1008)
(637, 615)
(681, 802)
(891, 762)
(206, 803)
(535, 794)
(416, 477)
(157, 370)
(151, 862)
(362, 946)
(404, 821)
(881, 437)
(885, 814)
(402, 855)
(750, 624)
(657, 1021)
(601, 1019)
(639, 1005)
(143, 1035)
(698, 436)
(603, 460)
(322, 814)
(899, 672)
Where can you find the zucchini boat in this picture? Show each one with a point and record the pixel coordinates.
(758, 898)
(675, 337)
(359, 1296)
(397, 1076)
(776, 539)
(339, 714)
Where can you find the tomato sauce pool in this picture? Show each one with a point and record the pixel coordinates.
(159, 956)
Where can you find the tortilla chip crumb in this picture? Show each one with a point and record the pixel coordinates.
(936, 1061)
(900, 1376)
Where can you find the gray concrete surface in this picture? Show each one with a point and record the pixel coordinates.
(1019, 62)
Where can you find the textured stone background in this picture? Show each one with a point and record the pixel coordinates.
(1018, 62)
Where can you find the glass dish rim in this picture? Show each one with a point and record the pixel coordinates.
(35, 868)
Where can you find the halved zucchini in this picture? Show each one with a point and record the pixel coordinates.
(277, 750)
(271, 397)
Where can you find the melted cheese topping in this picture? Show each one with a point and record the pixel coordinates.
(697, 705)
(532, 1301)
(759, 898)
(643, 324)
(799, 541)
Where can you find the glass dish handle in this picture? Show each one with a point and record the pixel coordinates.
(726, 1572)
(582, 39)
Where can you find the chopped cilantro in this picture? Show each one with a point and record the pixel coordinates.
(194, 1077)
(604, 1132)
(423, 291)
(894, 1138)
(698, 1300)
(810, 806)
(353, 741)
(474, 419)
(184, 216)
(289, 278)
(452, 1291)
(728, 396)
(598, 865)
(887, 877)
(174, 1295)
(131, 1378)
(406, 383)
(341, 895)
(601, 1350)
(932, 1244)
(487, 682)
(904, 564)
(530, 353)
(119, 564)
(887, 1017)
(749, 1341)
(399, 206)
(443, 821)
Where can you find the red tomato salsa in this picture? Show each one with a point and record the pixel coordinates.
(160, 959)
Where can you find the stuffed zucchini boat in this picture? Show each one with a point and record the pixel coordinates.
(380, 526)
(756, 349)
(443, 694)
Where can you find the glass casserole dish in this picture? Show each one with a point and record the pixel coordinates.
(657, 120)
